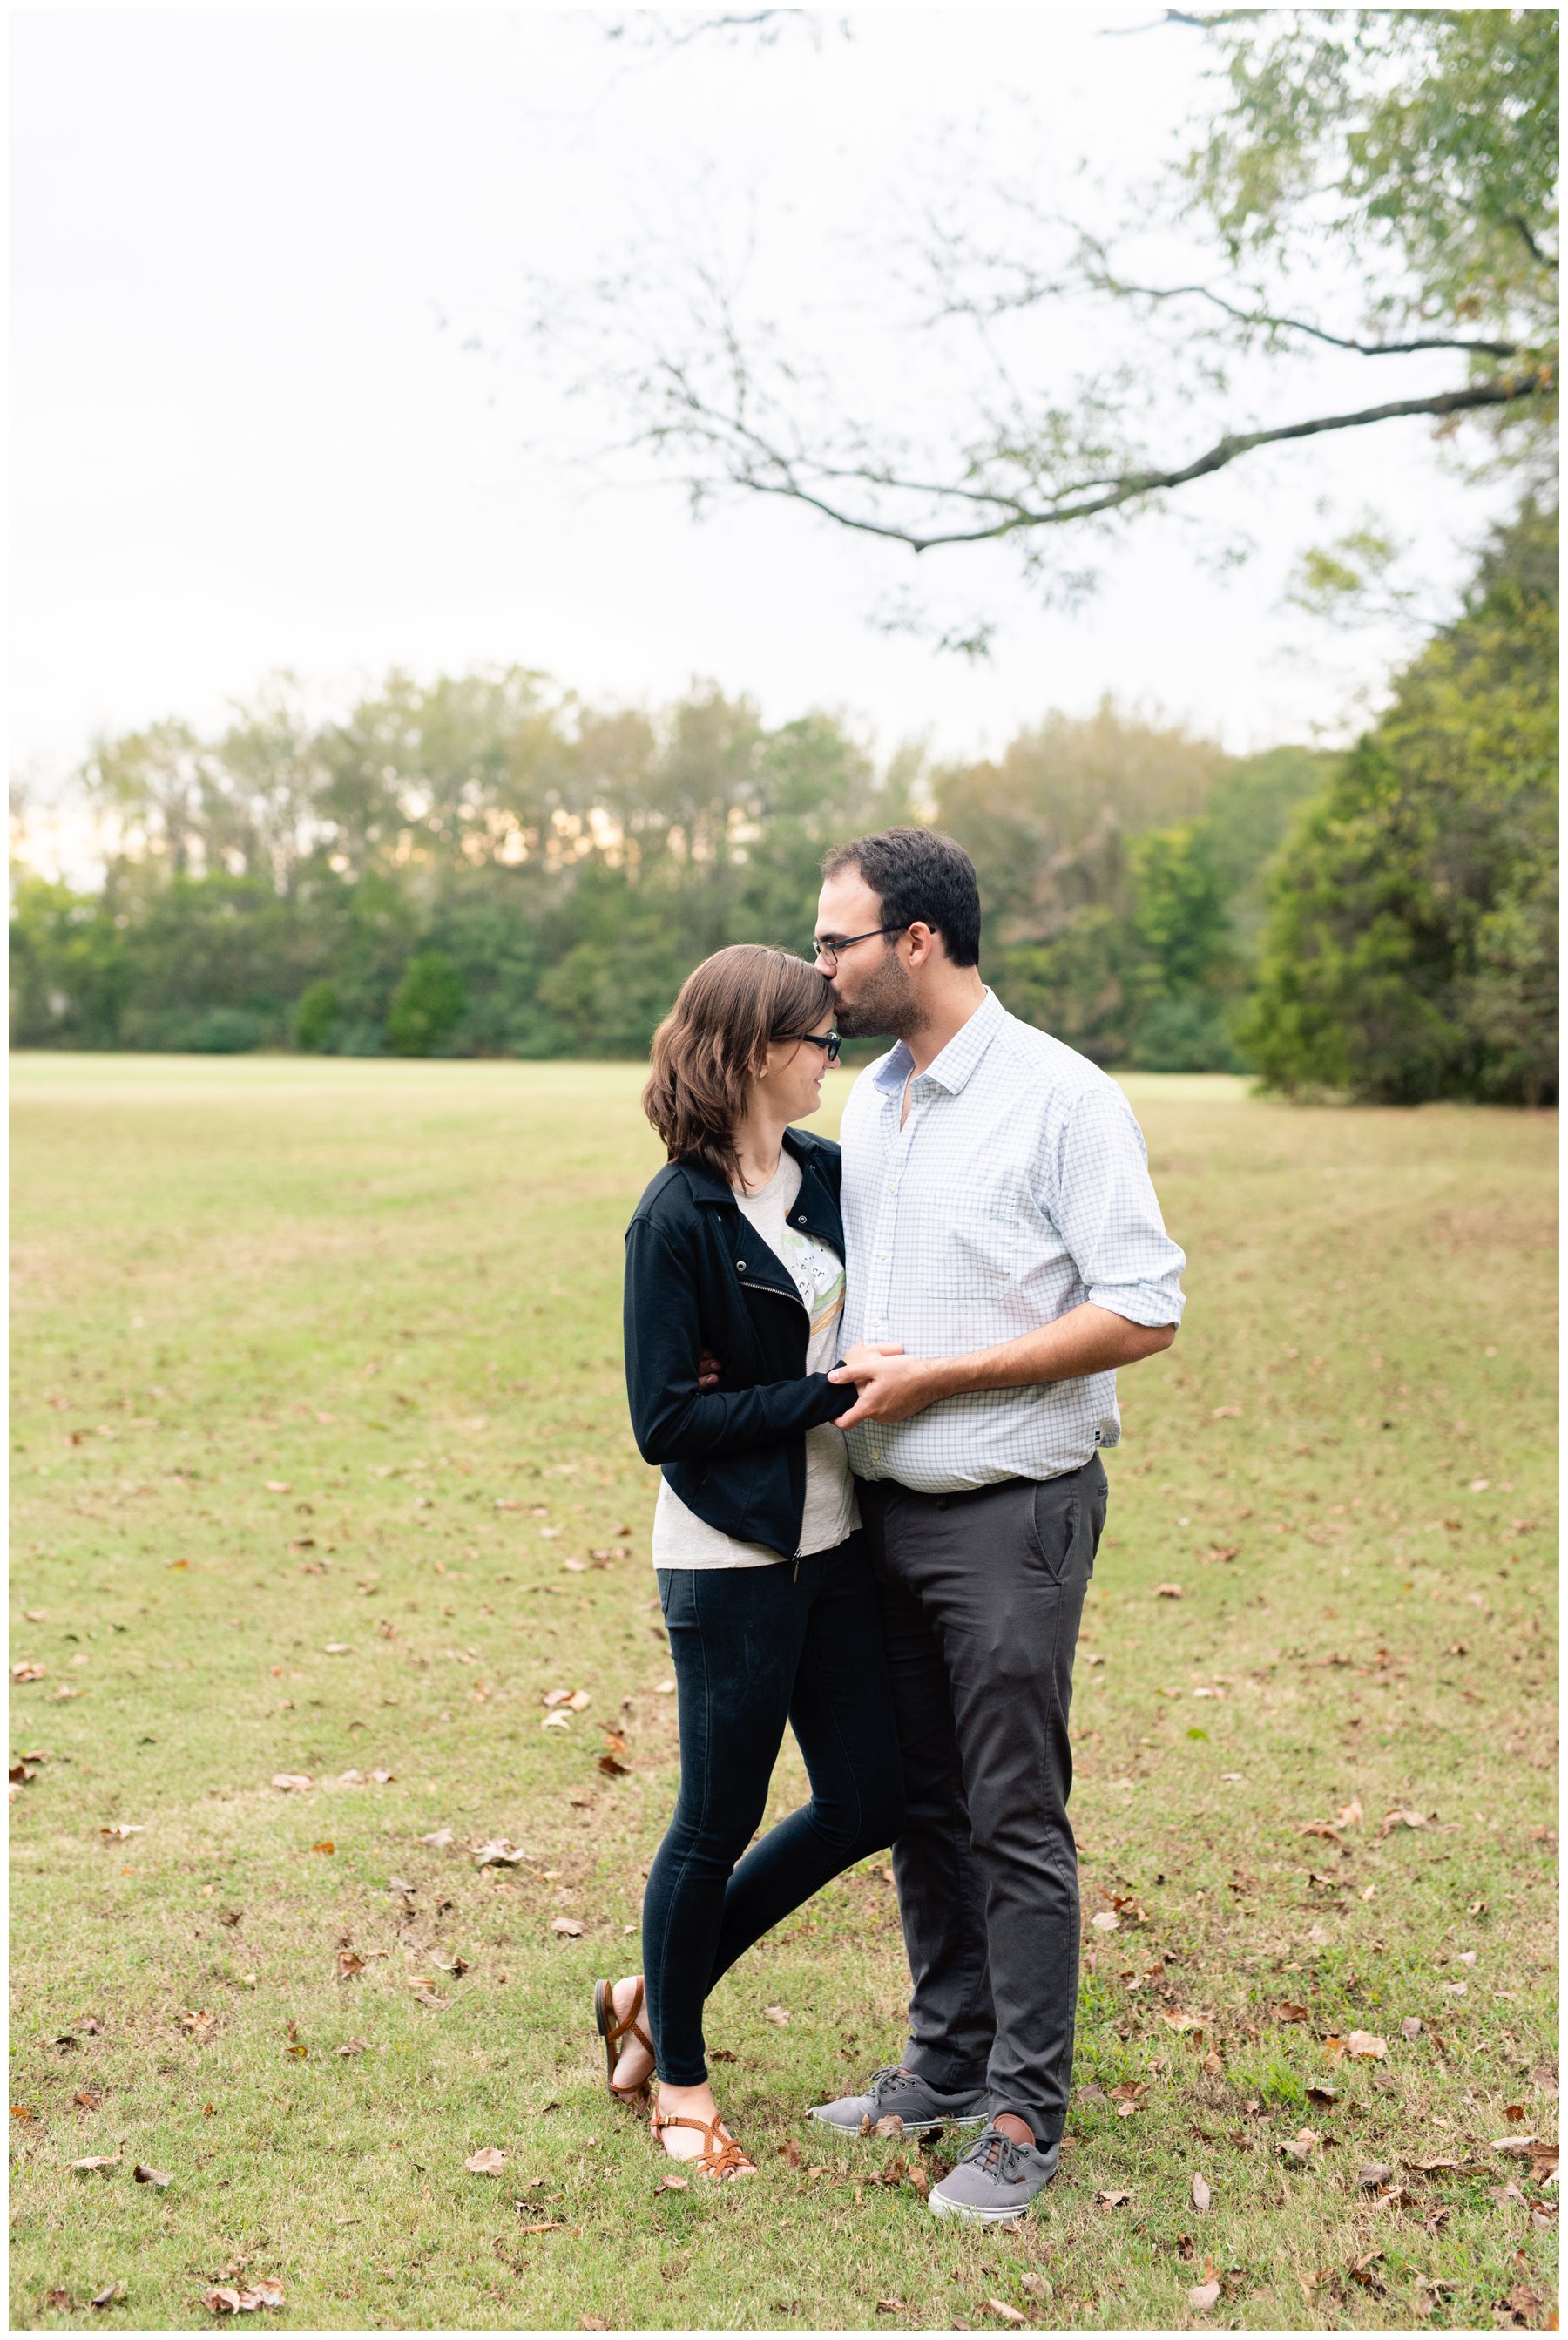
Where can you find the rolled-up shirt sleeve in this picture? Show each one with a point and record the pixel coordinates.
(1097, 1191)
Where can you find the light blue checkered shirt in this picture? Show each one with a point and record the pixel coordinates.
(1017, 1187)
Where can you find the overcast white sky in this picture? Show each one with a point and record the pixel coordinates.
(244, 440)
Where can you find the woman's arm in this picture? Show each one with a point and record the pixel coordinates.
(673, 1420)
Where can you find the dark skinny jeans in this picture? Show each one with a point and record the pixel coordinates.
(754, 1648)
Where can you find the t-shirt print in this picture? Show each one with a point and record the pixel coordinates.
(818, 1274)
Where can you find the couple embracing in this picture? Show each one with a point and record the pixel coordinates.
(876, 1381)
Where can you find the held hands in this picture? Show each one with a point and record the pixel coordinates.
(889, 1386)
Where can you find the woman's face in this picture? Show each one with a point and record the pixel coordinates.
(790, 1081)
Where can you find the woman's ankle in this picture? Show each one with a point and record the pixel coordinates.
(696, 2101)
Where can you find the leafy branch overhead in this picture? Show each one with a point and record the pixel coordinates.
(1374, 186)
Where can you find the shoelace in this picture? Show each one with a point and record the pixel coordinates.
(887, 2080)
(998, 2156)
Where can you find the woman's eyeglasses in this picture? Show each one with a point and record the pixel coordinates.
(828, 1042)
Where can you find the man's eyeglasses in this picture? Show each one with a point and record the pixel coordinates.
(834, 947)
(828, 1042)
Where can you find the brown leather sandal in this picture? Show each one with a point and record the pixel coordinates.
(718, 2159)
(613, 2031)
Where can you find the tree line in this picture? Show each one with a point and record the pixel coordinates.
(485, 865)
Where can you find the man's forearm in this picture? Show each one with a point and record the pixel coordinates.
(1086, 1340)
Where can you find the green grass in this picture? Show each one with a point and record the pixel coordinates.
(392, 1290)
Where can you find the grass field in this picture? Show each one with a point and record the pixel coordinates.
(321, 1468)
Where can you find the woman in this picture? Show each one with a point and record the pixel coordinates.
(737, 1249)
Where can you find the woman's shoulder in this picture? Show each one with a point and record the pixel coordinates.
(666, 1199)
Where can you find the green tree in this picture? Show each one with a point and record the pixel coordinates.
(317, 1015)
(71, 971)
(426, 1007)
(1411, 950)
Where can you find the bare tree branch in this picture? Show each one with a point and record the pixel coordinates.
(766, 469)
(1100, 276)
(1317, 333)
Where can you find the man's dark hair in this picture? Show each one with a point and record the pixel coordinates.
(919, 873)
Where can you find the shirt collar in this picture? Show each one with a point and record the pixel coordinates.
(955, 1067)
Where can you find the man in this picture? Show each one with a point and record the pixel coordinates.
(1004, 1255)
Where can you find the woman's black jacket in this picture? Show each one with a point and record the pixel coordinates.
(698, 1276)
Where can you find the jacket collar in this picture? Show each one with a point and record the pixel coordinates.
(706, 1188)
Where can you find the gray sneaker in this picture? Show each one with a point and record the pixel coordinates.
(915, 2101)
(996, 2181)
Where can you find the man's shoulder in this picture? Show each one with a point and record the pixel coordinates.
(1051, 1066)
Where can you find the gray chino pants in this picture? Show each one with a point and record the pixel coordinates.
(981, 1597)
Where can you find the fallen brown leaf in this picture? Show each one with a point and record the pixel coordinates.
(1289, 2010)
(1372, 2174)
(147, 2175)
(500, 1853)
(1203, 2297)
(569, 1927)
(95, 2165)
(1000, 2308)
(488, 2162)
(1167, 1593)
(353, 2048)
(1201, 2197)
(672, 2184)
(291, 1782)
(779, 2015)
(1111, 2198)
(1368, 2045)
(108, 2295)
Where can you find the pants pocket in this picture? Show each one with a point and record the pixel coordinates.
(1054, 1527)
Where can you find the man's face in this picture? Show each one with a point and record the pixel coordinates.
(872, 993)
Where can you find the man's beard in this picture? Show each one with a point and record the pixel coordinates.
(885, 1005)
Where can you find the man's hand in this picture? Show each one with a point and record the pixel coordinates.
(888, 1385)
(1089, 1339)
(708, 1371)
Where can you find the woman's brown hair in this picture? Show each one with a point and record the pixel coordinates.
(715, 1038)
